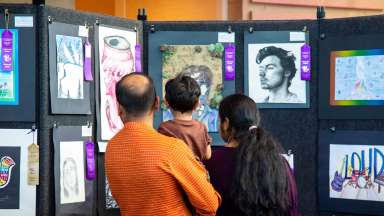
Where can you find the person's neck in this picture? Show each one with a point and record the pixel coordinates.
(147, 120)
(185, 116)
(279, 94)
(232, 143)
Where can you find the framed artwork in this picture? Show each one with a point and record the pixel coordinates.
(204, 64)
(197, 54)
(351, 171)
(18, 80)
(107, 203)
(16, 196)
(74, 194)
(115, 49)
(70, 93)
(9, 177)
(272, 69)
(9, 76)
(352, 78)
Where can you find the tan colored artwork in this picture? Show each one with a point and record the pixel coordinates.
(204, 64)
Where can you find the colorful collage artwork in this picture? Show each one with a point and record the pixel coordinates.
(9, 79)
(204, 64)
(356, 172)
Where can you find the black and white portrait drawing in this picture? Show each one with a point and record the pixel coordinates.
(71, 172)
(274, 73)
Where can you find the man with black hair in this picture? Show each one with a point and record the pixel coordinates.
(149, 173)
(182, 98)
(276, 70)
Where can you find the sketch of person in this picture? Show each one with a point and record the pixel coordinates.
(276, 71)
(117, 61)
(70, 178)
(204, 113)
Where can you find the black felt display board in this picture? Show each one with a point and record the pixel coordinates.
(156, 39)
(64, 105)
(300, 125)
(345, 137)
(297, 129)
(65, 134)
(358, 26)
(25, 111)
(46, 192)
(338, 43)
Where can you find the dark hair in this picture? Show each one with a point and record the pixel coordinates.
(260, 183)
(135, 103)
(182, 93)
(287, 59)
(204, 74)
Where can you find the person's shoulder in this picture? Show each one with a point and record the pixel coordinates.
(293, 98)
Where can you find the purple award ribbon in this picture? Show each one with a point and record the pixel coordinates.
(305, 65)
(138, 58)
(88, 61)
(229, 61)
(6, 50)
(90, 154)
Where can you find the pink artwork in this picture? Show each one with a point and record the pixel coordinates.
(116, 60)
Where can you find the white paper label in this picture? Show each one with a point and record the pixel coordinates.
(225, 37)
(86, 131)
(297, 36)
(23, 21)
(83, 31)
(102, 146)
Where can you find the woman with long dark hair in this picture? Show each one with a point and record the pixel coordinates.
(249, 172)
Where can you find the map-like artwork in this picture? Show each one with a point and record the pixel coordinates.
(356, 172)
(204, 64)
(357, 77)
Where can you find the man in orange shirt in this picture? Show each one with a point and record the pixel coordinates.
(149, 173)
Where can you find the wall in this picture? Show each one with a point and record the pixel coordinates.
(306, 9)
(97, 6)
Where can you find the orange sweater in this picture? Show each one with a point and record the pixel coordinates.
(149, 174)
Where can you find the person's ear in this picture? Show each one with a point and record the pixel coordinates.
(197, 104)
(287, 73)
(156, 105)
(120, 110)
(166, 102)
(225, 124)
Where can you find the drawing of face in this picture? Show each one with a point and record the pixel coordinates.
(70, 180)
(271, 72)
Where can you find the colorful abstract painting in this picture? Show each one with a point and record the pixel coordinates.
(356, 172)
(9, 177)
(9, 80)
(357, 78)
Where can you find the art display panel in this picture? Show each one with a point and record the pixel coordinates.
(204, 64)
(9, 79)
(352, 78)
(72, 172)
(16, 196)
(357, 77)
(69, 91)
(116, 49)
